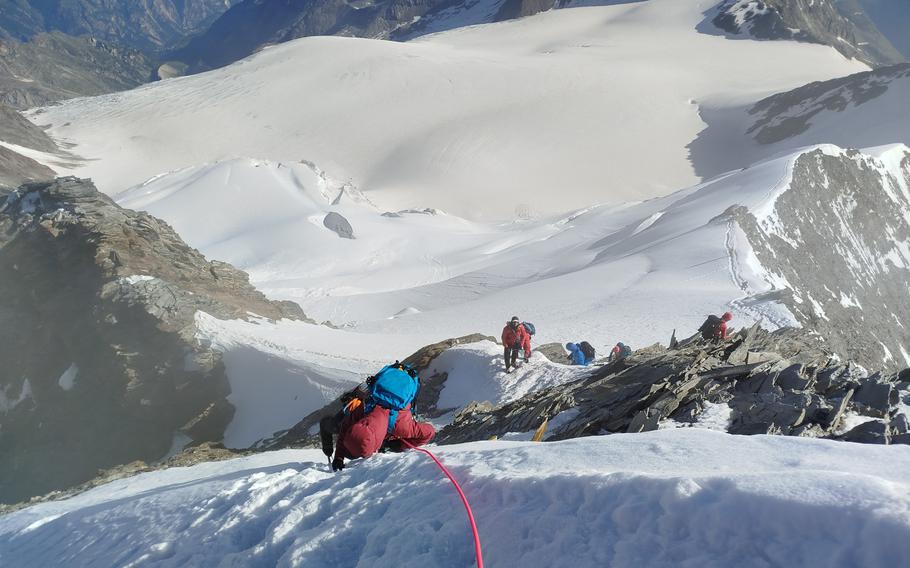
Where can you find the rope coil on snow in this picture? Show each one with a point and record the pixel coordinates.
(477, 551)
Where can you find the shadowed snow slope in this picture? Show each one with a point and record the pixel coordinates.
(655, 499)
(547, 113)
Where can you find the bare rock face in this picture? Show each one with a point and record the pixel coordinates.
(838, 237)
(97, 335)
(841, 24)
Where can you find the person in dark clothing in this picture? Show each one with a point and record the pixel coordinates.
(715, 328)
(577, 354)
(620, 352)
(514, 339)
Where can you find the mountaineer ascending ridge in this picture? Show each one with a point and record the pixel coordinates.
(715, 328)
(381, 414)
(515, 337)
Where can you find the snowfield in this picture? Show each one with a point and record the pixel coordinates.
(661, 499)
(544, 114)
(630, 273)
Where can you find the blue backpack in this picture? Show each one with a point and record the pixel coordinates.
(394, 387)
(529, 327)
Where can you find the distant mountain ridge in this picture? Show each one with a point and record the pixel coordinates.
(841, 24)
(149, 25)
(54, 50)
(252, 24)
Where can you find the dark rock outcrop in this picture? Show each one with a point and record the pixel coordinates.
(101, 365)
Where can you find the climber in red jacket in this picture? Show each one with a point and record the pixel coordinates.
(514, 338)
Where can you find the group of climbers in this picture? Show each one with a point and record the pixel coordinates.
(583, 353)
(379, 415)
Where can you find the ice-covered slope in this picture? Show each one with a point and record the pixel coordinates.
(544, 114)
(668, 498)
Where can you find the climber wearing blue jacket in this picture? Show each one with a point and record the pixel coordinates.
(577, 356)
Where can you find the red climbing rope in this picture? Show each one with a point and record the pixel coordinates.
(477, 552)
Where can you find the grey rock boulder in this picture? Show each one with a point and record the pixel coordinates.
(337, 223)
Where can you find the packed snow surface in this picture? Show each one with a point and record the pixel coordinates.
(668, 498)
(543, 114)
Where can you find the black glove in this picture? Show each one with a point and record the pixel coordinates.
(338, 464)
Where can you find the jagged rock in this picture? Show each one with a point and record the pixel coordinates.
(758, 411)
(833, 419)
(794, 378)
(753, 357)
(337, 223)
(676, 384)
(644, 421)
(876, 398)
(899, 424)
(98, 307)
(872, 432)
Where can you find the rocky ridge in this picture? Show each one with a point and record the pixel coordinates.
(97, 334)
(785, 383)
(836, 246)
